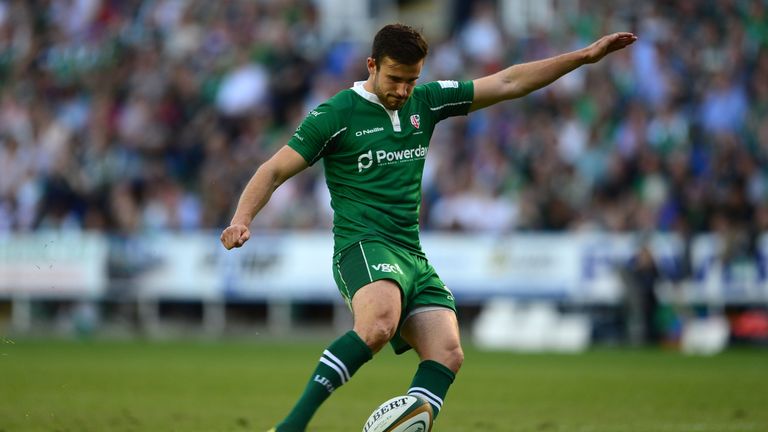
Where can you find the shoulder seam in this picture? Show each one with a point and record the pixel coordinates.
(342, 112)
(449, 104)
(317, 156)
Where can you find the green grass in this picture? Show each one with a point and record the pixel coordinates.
(238, 386)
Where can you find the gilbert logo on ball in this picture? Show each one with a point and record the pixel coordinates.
(401, 414)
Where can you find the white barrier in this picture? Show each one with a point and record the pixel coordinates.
(270, 266)
(53, 264)
(297, 265)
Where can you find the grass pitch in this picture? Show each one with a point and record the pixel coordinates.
(239, 386)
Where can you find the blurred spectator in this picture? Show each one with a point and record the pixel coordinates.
(641, 301)
(724, 106)
(481, 37)
(243, 90)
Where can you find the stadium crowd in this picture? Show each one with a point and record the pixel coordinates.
(124, 116)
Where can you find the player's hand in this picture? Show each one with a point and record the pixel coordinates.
(235, 236)
(608, 44)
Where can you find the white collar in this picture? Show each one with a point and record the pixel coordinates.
(359, 88)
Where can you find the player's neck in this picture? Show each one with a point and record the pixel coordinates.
(368, 85)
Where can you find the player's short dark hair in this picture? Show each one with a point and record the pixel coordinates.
(401, 43)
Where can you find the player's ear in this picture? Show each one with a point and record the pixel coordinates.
(371, 63)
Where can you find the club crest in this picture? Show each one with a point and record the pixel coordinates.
(415, 120)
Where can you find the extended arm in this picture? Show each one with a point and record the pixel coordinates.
(283, 165)
(521, 79)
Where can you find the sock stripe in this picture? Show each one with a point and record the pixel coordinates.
(428, 399)
(340, 363)
(428, 395)
(334, 367)
(426, 392)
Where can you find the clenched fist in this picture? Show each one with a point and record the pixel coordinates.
(235, 236)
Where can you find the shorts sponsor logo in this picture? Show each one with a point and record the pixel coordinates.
(383, 157)
(388, 268)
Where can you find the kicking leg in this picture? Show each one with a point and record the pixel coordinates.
(376, 311)
(434, 334)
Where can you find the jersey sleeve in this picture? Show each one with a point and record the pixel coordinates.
(316, 135)
(449, 98)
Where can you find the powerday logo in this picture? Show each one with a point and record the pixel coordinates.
(364, 161)
(383, 157)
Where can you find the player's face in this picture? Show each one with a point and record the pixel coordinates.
(393, 82)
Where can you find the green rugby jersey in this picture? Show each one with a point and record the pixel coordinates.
(374, 158)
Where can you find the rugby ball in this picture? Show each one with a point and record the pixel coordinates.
(401, 414)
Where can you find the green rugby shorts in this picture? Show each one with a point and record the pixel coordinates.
(369, 261)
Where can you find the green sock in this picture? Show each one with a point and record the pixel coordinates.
(337, 365)
(431, 383)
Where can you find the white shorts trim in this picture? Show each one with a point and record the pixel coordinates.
(421, 309)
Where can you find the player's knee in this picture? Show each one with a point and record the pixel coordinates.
(378, 333)
(453, 358)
